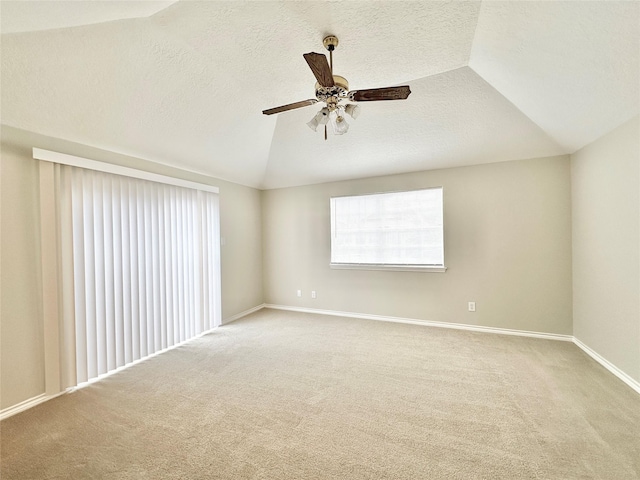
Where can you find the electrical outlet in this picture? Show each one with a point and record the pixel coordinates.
(299, 293)
(472, 306)
(313, 294)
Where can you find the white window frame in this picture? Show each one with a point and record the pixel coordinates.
(384, 266)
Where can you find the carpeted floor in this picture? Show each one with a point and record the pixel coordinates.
(282, 395)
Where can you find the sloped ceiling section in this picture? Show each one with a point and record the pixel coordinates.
(33, 15)
(184, 83)
(572, 67)
(453, 119)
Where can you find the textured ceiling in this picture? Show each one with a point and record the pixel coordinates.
(32, 15)
(572, 67)
(184, 83)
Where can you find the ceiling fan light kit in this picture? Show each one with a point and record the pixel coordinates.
(334, 89)
(352, 110)
(339, 124)
(320, 118)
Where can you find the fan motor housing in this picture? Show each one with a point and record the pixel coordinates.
(339, 90)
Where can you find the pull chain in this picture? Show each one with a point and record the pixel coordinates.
(330, 68)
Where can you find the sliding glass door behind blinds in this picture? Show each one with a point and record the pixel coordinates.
(145, 267)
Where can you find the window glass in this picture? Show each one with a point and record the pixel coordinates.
(399, 228)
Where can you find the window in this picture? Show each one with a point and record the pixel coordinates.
(399, 230)
(133, 260)
(144, 267)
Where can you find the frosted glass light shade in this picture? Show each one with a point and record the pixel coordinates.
(320, 118)
(353, 110)
(313, 124)
(323, 116)
(340, 125)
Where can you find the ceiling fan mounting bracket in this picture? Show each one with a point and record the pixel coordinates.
(330, 42)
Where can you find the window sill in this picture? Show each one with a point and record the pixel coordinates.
(392, 268)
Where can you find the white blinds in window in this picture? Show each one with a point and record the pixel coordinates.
(399, 228)
(142, 263)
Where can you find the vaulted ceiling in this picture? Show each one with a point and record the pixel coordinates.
(184, 83)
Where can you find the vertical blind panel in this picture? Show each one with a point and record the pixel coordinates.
(133, 270)
(175, 292)
(172, 305)
(90, 307)
(118, 334)
(145, 267)
(185, 265)
(197, 265)
(100, 280)
(182, 318)
(191, 268)
(109, 268)
(140, 293)
(123, 201)
(77, 225)
(160, 261)
(67, 314)
(148, 268)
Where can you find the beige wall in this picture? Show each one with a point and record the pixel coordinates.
(606, 246)
(21, 342)
(241, 254)
(507, 247)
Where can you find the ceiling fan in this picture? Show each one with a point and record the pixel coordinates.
(334, 89)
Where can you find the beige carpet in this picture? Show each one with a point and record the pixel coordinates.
(282, 395)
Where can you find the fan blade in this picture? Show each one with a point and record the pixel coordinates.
(291, 106)
(375, 94)
(320, 68)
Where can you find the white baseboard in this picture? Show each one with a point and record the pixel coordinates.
(32, 402)
(635, 385)
(608, 365)
(428, 323)
(38, 399)
(26, 404)
(237, 316)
